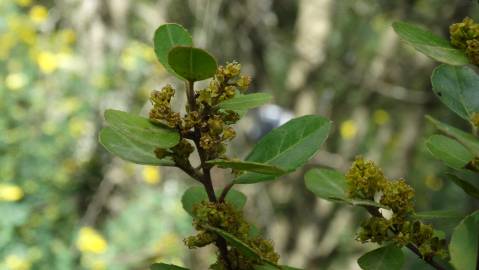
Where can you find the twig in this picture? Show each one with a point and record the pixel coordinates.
(225, 192)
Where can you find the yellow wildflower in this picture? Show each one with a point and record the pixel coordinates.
(90, 241)
(151, 175)
(14, 262)
(381, 117)
(348, 129)
(38, 14)
(15, 81)
(23, 3)
(10, 193)
(47, 61)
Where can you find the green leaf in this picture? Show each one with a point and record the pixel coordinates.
(327, 184)
(168, 36)
(383, 258)
(163, 266)
(448, 150)
(430, 44)
(192, 64)
(331, 185)
(245, 102)
(438, 214)
(235, 242)
(465, 184)
(288, 147)
(130, 150)
(248, 166)
(465, 138)
(456, 87)
(464, 244)
(141, 129)
(197, 194)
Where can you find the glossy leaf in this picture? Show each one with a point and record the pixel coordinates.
(327, 184)
(248, 166)
(130, 150)
(471, 189)
(168, 36)
(471, 142)
(288, 147)
(245, 102)
(450, 151)
(331, 185)
(430, 44)
(438, 214)
(464, 245)
(235, 242)
(383, 258)
(164, 266)
(141, 129)
(192, 64)
(197, 194)
(456, 87)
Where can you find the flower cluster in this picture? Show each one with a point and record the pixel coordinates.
(225, 217)
(203, 118)
(465, 36)
(366, 181)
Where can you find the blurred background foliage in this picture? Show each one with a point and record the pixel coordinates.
(67, 204)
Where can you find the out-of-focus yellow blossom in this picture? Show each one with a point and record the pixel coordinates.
(14, 262)
(90, 241)
(10, 193)
(69, 105)
(68, 36)
(348, 129)
(7, 41)
(433, 182)
(49, 127)
(23, 3)
(166, 243)
(16, 81)
(77, 127)
(38, 14)
(47, 61)
(381, 117)
(151, 175)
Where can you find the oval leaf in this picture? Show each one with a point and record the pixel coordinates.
(192, 64)
(247, 166)
(464, 244)
(465, 138)
(327, 184)
(235, 242)
(450, 151)
(457, 88)
(141, 129)
(245, 102)
(197, 194)
(168, 36)
(384, 258)
(130, 150)
(164, 266)
(429, 44)
(288, 147)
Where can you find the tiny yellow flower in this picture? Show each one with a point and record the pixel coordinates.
(90, 241)
(47, 62)
(348, 129)
(23, 3)
(381, 117)
(14, 262)
(38, 14)
(16, 81)
(10, 193)
(151, 175)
